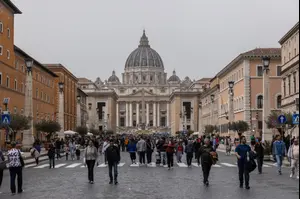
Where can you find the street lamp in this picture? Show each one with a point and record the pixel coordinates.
(212, 97)
(266, 62)
(29, 64)
(78, 98)
(61, 86)
(231, 84)
(230, 104)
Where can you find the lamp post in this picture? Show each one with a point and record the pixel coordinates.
(61, 109)
(78, 111)
(266, 105)
(28, 138)
(200, 117)
(230, 104)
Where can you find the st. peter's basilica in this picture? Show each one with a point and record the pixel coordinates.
(145, 98)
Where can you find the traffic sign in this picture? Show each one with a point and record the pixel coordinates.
(296, 119)
(281, 119)
(5, 119)
(6, 100)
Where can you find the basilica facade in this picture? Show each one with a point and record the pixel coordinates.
(145, 97)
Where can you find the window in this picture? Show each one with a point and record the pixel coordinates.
(1, 50)
(23, 68)
(0, 78)
(260, 101)
(8, 54)
(295, 82)
(290, 56)
(278, 70)
(22, 87)
(8, 32)
(278, 101)
(289, 84)
(259, 71)
(7, 82)
(284, 87)
(17, 64)
(295, 52)
(37, 93)
(15, 110)
(16, 85)
(284, 60)
(1, 27)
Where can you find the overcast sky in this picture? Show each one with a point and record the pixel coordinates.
(196, 37)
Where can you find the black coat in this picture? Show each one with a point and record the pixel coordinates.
(113, 153)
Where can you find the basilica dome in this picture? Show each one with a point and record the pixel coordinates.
(113, 78)
(144, 56)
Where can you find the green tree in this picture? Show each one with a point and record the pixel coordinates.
(48, 126)
(239, 126)
(82, 130)
(272, 120)
(94, 131)
(209, 129)
(17, 123)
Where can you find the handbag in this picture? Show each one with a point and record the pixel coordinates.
(21, 159)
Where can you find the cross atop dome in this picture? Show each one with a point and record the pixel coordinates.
(144, 42)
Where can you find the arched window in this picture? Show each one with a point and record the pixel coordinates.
(278, 101)
(260, 101)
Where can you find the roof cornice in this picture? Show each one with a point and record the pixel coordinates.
(12, 6)
(289, 33)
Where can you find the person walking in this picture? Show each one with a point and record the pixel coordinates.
(90, 155)
(241, 152)
(141, 149)
(131, 148)
(228, 145)
(197, 145)
(179, 151)
(206, 159)
(113, 159)
(105, 146)
(15, 168)
(2, 166)
(189, 150)
(35, 154)
(162, 150)
(279, 150)
(259, 149)
(57, 148)
(72, 149)
(170, 150)
(293, 155)
(149, 151)
(51, 156)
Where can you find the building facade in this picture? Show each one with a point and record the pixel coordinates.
(290, 72)
(69, 93)
(209, 111)
(13, 76)
(82, 115)
(144, 99)
(246, 71)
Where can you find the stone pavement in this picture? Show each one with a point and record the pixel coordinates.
(151, 183)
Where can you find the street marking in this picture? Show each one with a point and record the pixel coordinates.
(216, 165)
(228, 165)
(59, 165)
(267, 166)
(196, 165)
(41, 166)
(121, 164)
(152, 164)
(182, 165)
(103, 165)
(82, 166)
(134, 165)
(30, 165)
(73, 165)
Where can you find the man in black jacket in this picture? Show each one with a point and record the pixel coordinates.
(206, 159)
(113, 159)
(259, 149)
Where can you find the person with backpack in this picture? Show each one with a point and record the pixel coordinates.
(35, 154)
(206, 153)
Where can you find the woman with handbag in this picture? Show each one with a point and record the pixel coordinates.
(16, 164)
(2, 166)
(90, 157)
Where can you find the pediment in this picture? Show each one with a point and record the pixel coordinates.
(139, 93)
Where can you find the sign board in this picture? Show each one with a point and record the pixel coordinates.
(6, 100)
(296, 119)
(5, 119)
(281, 119)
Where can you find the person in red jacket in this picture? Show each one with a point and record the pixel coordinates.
(170, 149)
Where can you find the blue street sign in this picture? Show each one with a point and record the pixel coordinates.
(5, 119)
(281, 119)
(296, 119)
